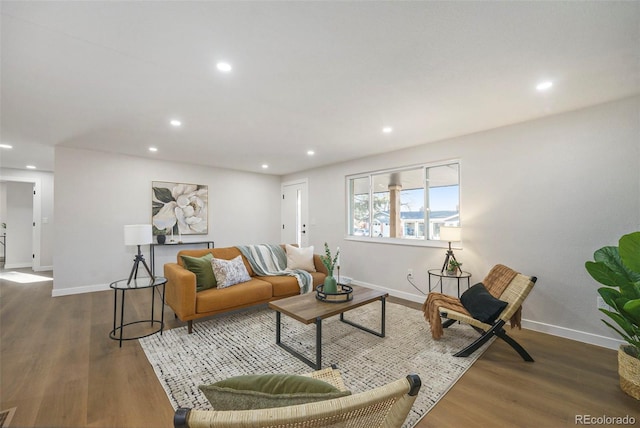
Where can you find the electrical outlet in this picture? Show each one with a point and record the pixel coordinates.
(409, 272)
(600, 304)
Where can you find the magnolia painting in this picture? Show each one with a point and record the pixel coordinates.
(179, 208)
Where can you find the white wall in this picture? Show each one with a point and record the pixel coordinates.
(42, 212)
(97, 193)
(539, 196)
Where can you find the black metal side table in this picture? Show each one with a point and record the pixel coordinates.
(436, 273)
(439, 276)
(136, 284)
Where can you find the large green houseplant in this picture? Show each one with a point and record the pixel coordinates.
(618, 268)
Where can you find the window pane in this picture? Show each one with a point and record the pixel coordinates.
(380, 214)
(444, 198)
(406, 203)
(359, 216)
(412, 203)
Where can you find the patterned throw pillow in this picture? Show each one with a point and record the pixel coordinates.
(229, 272)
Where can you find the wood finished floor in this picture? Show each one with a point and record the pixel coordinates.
(60, 369)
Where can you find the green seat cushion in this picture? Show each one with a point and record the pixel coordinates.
(201, 266)
(268, 391)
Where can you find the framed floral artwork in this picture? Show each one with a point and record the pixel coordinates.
(179, 208)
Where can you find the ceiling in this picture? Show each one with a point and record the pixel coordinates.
(323, 76)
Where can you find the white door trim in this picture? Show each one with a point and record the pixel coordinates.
(305, 208)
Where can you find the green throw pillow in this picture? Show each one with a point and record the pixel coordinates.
(201, 266)
(268, 391)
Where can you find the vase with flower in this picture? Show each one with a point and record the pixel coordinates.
(330, 283)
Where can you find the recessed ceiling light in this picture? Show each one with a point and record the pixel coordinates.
(311, 152)
(6, 146)
(544, 86)
(31, 167)
(265, 166)
(153, 149)
(175, 122)
(387, 129)
(224, 67)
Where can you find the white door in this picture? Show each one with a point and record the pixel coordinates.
(294, 213)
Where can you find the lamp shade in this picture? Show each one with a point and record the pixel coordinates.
(450, 233)
(138, 234)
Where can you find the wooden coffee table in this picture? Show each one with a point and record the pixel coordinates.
(307, 309)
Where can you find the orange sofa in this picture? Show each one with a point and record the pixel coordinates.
(188, 304)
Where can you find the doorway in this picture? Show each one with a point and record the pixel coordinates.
(21, 206)
(294, 213)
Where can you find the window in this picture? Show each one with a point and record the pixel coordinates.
(405, 203)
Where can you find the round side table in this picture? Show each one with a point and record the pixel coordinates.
(438, 276)
(136, 284)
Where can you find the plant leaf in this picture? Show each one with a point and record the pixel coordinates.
(603, 274)
(620, 320)
(609, 295)
(631, 310)
(624, 336)
(629, 249)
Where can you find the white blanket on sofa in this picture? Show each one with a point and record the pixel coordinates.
(271, 260)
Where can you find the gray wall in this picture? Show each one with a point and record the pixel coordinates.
(97, 193)
(538, 196)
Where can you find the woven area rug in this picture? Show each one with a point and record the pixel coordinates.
(244, 343)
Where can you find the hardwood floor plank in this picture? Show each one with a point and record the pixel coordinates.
(59, 367)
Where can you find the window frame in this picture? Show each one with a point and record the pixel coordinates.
(392, 240)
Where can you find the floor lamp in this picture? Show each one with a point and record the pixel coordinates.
(138, 234)
(451, 234)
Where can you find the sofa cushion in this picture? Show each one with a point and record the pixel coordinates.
(253, 291)
(268, 391)
(201, 267)
(282, 285)
(300, 258)
(318, 278)
(229, 272)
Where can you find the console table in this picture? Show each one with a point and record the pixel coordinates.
(209, 244)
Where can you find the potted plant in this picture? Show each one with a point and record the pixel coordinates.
(618, 268)
(453, 267)
(330, 283)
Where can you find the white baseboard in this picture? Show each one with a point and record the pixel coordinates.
(567, 333)
(18, 265)
(395, 293)
(79, 290)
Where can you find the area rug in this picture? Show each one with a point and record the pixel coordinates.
(23, 278)
(244, 343)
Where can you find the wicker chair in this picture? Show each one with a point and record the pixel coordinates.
(386, 406)
(514, 294)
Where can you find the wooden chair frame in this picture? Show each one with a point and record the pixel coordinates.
(515, 293)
